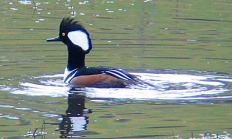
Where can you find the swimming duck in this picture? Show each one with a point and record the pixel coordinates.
(76, 37)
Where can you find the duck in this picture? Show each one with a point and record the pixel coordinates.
(77, 39)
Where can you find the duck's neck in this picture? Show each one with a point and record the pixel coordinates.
(76, 58)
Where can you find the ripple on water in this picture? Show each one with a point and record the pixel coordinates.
(24, 1)
(9, 117)
(160, 85)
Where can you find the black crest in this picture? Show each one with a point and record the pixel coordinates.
(69, 24)
(73, 33)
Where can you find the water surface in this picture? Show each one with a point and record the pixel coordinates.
(181, 49)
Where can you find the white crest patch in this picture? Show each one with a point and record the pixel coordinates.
(79, 38)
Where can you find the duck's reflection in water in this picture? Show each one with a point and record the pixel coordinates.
(75, 119)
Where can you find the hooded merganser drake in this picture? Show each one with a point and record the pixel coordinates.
(78, 42)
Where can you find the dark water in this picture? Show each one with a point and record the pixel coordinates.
(181, 49)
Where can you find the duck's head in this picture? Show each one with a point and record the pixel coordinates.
(73, 34)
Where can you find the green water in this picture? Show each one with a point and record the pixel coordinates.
(135, 35)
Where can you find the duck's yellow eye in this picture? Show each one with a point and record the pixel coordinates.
(63, 34)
